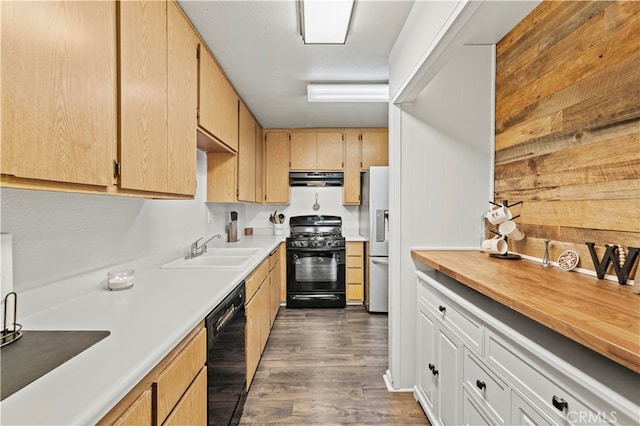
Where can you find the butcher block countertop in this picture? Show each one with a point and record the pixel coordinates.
(601, 315)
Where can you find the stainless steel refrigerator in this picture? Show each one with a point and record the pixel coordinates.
(374, 227)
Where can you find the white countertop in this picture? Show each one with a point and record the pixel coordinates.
(145, 321)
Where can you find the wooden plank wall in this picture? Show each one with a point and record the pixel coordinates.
(568, 126)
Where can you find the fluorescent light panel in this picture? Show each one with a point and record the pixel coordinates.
(348, 92)
(325, 21)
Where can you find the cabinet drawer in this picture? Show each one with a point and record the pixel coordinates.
(354, 276)
(174, 380)
(354, 248)
(466, 325)
(490, 391)
(354, 262)
(255, 279)
(536, 382)
(274, 258)
(472, 414)
(139, 413)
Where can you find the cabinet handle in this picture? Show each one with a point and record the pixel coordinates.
(560, 403)
(480, 384)
(442, 309)
(433, 369)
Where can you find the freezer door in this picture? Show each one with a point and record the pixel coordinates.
(376, 292)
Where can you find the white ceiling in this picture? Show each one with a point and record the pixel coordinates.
(258, 45)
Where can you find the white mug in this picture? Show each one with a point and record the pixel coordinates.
(499, 215)
(510, 229)
(496, 245)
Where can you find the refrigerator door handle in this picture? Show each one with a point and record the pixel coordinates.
(380, 261)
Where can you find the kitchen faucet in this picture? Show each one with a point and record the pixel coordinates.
(197, 250)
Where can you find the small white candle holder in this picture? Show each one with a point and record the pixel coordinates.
(120, 280)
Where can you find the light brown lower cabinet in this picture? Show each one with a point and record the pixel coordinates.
(174, 392)
(139, 413)
(355, 271)
(261, 307)
(192, 408)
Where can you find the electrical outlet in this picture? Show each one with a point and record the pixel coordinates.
(209, 218)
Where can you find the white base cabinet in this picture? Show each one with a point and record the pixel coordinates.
(479, 362)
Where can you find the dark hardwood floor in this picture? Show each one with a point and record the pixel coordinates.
(325, 366)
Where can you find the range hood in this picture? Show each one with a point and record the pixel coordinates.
(316, 178)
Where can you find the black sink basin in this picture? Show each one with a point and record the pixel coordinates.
(38, 352)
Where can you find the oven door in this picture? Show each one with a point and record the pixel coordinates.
(315, 274)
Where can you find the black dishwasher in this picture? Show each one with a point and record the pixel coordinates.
(226, 366)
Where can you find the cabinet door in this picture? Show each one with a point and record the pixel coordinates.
(329, 150)
(252, 335)
(352, 167)
(218, 107)
(182, 102)
(375, 148)
(247, 156)
(275, 279)
(259, 164)
(143, 95)
(276, 152)
(426, 357)
(221, 177)
(303, 150)
(59, 92)
(192, 407)
(265, 314)
(449, 378)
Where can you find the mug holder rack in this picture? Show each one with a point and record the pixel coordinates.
(507, 255)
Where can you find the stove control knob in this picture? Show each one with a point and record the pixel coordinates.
(329, 243)
(315, 243)
(336, 243)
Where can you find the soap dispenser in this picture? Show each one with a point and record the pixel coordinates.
(233, 228)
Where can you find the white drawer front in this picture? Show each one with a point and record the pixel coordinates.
(492, 393)
(467, 326)
(536, 383)
(472, 415)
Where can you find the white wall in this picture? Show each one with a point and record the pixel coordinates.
(58, 235)
(441, 177)
(301, 203)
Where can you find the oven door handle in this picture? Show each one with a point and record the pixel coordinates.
(315, 297)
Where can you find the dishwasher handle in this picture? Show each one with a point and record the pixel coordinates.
(380, 260)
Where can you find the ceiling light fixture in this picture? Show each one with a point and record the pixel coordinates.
(325, 21)
(348, 92)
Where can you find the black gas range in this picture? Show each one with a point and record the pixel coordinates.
(316, 255)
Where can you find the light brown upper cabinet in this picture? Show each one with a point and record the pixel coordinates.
(363, 148)
(58, 121)
(157, 105)
(352, 166)
(375, 147)
(217, 103)
(222, 177)
(143, 95)
(316, 150)
(247, 156)
(182, 101)
(329, 150)
(259, 164)
(303, 150)
(276, 172)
